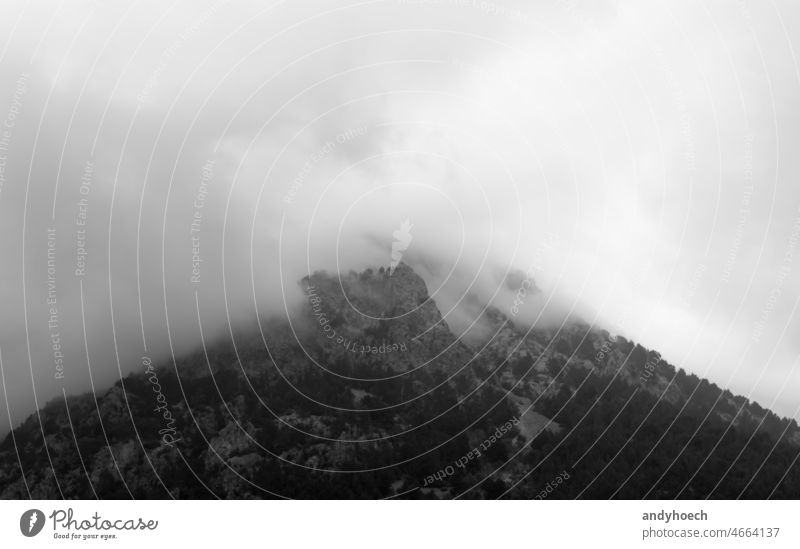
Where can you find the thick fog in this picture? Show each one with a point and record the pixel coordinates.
(171, 166)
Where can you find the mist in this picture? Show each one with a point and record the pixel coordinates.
(170, 172)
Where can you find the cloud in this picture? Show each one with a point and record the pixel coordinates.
(637, 158)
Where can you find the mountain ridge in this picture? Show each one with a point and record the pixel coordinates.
(399, 400)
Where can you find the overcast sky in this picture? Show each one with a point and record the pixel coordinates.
(639, 157)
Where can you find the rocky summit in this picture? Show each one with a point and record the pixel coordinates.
(366, 393)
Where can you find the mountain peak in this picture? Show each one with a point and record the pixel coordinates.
(376, 381)
(377, 308)
(372, 293)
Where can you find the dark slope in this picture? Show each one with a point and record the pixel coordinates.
(386, 401)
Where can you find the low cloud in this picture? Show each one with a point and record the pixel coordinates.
(633, 161)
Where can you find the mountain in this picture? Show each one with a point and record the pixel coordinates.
(367, 393)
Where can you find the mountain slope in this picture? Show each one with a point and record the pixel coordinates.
(368, 394)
